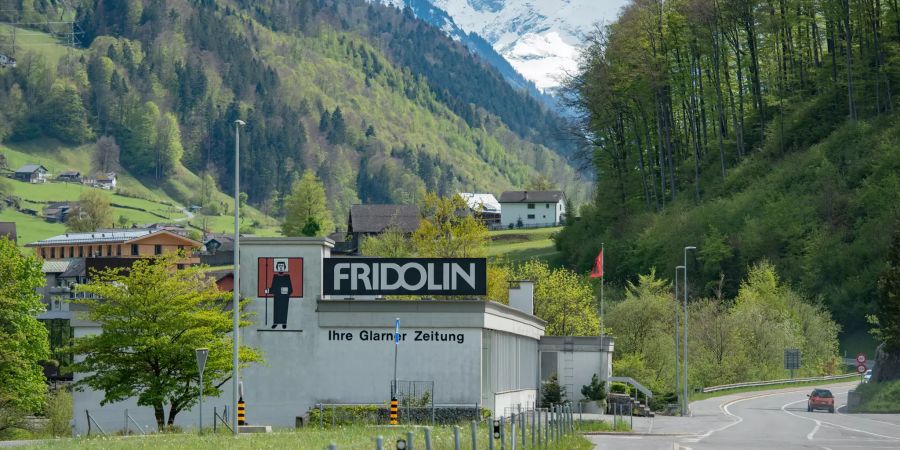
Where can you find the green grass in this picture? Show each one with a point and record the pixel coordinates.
(28, 40)
(522, 245)
(351, 437)
(880, 397)
(30, 228)
(697, 396)
(588, 426)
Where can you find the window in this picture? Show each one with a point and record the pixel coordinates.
(157, 249)
(134, 250)
(531, 206)
(43, 253)
(52, 252)
(81, 251)
(118, 250)
(71, 252)
(531, 216)
(109, 250)
(181, 267)
(548, 206)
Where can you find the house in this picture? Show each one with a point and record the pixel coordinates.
(219, 249)
(368, 220)
(31, 173)
(7, 61)
(58, 211)
(532, 208)
(107, 181)
(127, 243)
(70, 176)
(483, 206)
(8, 230)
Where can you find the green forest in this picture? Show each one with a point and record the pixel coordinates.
(754, 130)
(381, 106)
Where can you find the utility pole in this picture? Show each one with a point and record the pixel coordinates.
(235, 306)
(677, 361)
(684, 408)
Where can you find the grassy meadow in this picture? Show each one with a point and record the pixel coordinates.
(524, 244)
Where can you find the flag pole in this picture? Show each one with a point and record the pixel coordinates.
(602, 282)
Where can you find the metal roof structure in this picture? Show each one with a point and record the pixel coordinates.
(56, 266)
(103, 237)
(484, 202)
(31, 168)
(531, 196)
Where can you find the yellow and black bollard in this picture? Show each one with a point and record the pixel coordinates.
(394, 413)
(241, 412)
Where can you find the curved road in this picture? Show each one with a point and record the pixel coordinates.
(763, 420)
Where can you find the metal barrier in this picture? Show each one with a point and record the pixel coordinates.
(772, 382)
(90, 420)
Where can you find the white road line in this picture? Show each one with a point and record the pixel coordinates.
(831, 424)
(812, 433)
(724, 408)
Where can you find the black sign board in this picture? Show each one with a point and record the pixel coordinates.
(792, 358)
(404, 276)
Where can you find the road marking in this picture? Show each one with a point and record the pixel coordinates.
(812, 433)
(893, 438)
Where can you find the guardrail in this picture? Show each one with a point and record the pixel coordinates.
(772, 382)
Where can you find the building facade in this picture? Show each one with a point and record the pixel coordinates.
(119, 243)
(324, 349)
(530, 209)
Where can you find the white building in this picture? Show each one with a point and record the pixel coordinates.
(340, 350)
(532, 208)
(484, 206)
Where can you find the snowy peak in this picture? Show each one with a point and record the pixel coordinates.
(540, 38)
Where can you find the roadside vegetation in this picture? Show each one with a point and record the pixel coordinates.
(883, 397)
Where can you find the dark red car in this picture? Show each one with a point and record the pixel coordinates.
(820, 399)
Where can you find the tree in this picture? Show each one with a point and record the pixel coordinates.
(540, 183)
(24, 338)
(307, 200)
(106, 155)
(168, 145)
(552, 393)
(889, 298)
(154, 316)
(337, 134)
(447, 231)
(563, 298)
(64, 114)
(311, 228)
(92, 212)
(594, 391)
(391, 243)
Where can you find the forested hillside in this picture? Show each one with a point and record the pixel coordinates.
(381, 105)
(755, 131)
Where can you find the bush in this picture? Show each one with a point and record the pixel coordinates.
(620, 388)
(59, 413)
(552, 393)
(596, 390)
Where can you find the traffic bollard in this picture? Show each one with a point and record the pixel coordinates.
(456, 437)
(379, 442)
(427, 438)
(474, 435)
(409, 440)
(332, 446)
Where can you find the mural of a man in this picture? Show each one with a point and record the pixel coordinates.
(280, 287)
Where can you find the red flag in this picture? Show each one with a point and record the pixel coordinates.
(597, 271)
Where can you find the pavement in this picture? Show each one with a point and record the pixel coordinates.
(774, 419)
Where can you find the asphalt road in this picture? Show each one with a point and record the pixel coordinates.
(762, 420)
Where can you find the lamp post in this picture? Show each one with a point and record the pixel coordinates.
(235, 306)
(677, 395)
(684, 407)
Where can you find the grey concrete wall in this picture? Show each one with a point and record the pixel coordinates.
(323, 354)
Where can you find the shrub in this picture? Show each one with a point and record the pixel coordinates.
(552, 392)
(59, 413)
(596, 390)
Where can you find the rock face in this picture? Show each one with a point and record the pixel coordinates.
(887, 365)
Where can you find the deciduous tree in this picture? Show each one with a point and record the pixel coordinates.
(154, 316)
(307, 200)
(92, 212)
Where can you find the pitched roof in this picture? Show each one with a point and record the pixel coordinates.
(377, 218)
(30, 168)
(56, 266)
(70, 173)
(531, 196)
(485, 202)
(76, 269)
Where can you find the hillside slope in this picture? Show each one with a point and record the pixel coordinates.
(380, 105)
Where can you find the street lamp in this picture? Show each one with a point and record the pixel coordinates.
(235, 306)
(677, 395)
(684, 407)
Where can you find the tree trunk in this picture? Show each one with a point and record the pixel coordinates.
(160, 415)
(849, 39)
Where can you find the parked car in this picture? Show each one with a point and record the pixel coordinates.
(867, 376)
(820, 399)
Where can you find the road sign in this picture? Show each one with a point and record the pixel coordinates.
(861, 368)
(201, 354)
(861, 358)
(792, 358)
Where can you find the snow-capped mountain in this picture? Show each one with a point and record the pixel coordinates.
(540, 38)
